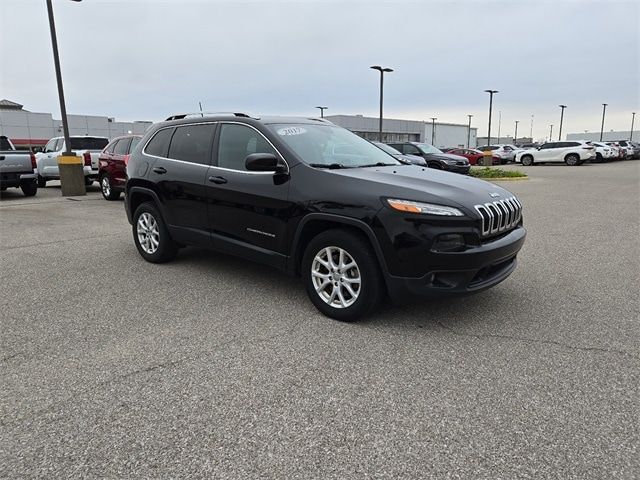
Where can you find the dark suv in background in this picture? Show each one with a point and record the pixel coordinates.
(434, 157)
(317, 201)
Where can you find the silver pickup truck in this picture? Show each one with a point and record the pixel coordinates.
(87, 147)
(17, 168)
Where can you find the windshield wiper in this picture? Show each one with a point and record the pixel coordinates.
(330, 166)
(379, 164)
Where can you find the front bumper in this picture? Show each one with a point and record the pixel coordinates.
(464, 169)
(470, 271)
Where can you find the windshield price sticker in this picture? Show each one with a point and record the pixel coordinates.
(292, 131)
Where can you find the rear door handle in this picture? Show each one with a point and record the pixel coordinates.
(218, 180)
(160, 170)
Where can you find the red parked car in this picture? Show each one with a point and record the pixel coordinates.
(474, 156)
(112, 165)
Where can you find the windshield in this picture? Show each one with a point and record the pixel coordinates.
(329, 145)
(426, 148)
(88, 143)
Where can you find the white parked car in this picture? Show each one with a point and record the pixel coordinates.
(628, 148)
(571, 153)
(618, 150)
(604, 152)
(502, 153)
(87, 147)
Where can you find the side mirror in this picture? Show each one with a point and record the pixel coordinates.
(263, 162)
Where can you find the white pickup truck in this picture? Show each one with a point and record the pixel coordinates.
(17, 168)
(87, 147)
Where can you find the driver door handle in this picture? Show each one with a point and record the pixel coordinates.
(218, 180)
(160, 170)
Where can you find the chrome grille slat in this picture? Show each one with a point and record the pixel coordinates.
(500, 215)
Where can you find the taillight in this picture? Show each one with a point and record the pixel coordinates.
(126, 160)
(87, 159)
(34, 165)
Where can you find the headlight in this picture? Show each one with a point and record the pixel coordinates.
(426, 208)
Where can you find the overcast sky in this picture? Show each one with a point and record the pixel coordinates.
(144, 60)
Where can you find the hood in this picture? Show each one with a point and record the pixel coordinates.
(446, 156)
(413, 182)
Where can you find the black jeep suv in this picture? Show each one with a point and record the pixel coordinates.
(317, 201)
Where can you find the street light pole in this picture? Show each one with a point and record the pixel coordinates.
(490, 92)
(515, 135)
(70, 166)
(382, 72)
(469, 132)
(562, 107)
(633, 117)
(499, 124)
(433, 130)
(604, 109)
(551, 132)
(531, 129)
(322, 109)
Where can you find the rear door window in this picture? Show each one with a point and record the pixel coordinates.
(192, 143)
(159, 144)
(411, 149)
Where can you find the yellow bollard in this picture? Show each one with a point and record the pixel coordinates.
(71, 176)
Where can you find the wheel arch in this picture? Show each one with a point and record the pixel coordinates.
(137, 195)
(315, 223)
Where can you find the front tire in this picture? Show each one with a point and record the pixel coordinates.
(526, 160)
(151, 236)
(107, 190)
(42, 182)
(88, 181)
(342, 275)
(29, 189)
(572, 160)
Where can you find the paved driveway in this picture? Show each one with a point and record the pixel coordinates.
(213, 366)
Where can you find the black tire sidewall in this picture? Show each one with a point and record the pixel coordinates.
(167, 248)
(29, 189)
(113, 195)
(372, 287)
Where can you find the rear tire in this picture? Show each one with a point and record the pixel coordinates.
(572, 160)
(526, 160)
(151, 236)
(29, 189)
(88, 181)
(42, 182)
(107, 190)
(345, 294)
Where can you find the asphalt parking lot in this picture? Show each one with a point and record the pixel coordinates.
(211, 366)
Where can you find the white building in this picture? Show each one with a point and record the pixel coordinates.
(29, 129)
(606, 136)
(393, 130)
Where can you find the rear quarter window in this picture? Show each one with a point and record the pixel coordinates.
(159, 143)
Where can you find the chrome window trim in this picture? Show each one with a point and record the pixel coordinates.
(144, 152)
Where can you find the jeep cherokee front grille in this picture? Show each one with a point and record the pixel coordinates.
(499, 216)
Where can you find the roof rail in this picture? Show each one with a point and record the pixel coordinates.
(180, 116)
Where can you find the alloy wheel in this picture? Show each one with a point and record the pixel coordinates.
(336, 277)
(148, 233)
(106, 186)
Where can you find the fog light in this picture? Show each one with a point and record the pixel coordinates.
(449, 242)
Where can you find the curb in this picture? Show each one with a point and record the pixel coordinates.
(504, 179)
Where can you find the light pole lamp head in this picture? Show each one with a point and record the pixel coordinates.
(381, 69)
(491, 91)
(562, 106)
